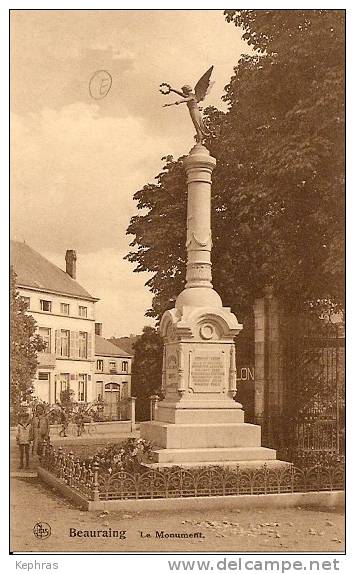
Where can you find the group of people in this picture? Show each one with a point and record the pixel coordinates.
(79, 418)
(33, 430)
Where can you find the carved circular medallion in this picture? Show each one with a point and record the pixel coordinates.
(207, 331)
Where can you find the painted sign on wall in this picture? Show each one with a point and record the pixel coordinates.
(245, 374)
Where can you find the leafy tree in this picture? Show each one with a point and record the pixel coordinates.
(285, 124)
(67, 399)
(277, 194)
(147, 369)
(24, 346)
(160, 235)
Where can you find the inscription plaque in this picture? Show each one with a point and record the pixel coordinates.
(207, 373)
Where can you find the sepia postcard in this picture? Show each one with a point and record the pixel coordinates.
(177, 346)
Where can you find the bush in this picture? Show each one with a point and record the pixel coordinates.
(129, 456)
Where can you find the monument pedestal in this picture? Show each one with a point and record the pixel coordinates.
(198, 422)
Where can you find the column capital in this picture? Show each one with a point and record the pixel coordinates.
(199, 158)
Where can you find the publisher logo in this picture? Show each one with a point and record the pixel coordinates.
(42, 530)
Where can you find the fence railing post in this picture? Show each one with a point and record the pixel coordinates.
(133, 413)
(95, 484)
(71, 468)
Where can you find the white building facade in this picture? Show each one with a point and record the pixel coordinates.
(112, 376)
(65, 315)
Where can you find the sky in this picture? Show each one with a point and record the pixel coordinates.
(77, 161)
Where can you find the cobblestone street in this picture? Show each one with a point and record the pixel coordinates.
(269, 530)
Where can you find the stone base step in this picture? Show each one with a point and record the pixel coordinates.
(201, 435)
(243, 464)
(202, 416)
(216, 455)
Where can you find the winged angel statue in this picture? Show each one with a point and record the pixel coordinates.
(191, 98)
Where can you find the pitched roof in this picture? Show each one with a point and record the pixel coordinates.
(125, 343)
(104, 347)
(35, 271)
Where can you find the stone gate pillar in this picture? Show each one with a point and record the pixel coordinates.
(269, 391)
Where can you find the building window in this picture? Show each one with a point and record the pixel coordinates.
(82, 388)
(112, 387)
(43, 377)
(99, 365)
(46, 336)
(27, 301)
(83, 345)
(125, 366)
(99, 390)
(64, 382)
(46, 305)
(64, 308)
(64, 343)
(112, 366)
(83, 312)
(61, 383)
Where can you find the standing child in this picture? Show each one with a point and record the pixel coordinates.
(80, 422)
(24, 437)
(40, 429)
(64, 422)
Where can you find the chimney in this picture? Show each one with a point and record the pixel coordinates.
(70, 260)
(98, 329)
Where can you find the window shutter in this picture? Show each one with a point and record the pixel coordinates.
(57, 342)
(72, 344)
(76, 344)
(89, 345)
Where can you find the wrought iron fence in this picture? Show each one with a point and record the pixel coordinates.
(95, 484)
(313, 421)
(310, 422)
(113, 411)
(72, 471)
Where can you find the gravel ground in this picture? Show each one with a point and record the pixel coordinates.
(269, 530)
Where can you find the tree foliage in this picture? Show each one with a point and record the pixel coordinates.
(24, 346)
(147, 364)
(277, 193)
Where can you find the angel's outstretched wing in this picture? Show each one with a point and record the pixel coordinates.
(202, 85)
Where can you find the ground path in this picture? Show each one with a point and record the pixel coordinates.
(269, 530)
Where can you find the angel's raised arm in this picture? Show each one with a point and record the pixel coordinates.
(178, 92)
(175, 103)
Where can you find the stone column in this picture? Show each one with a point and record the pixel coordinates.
(199, 291)
(199, 166)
